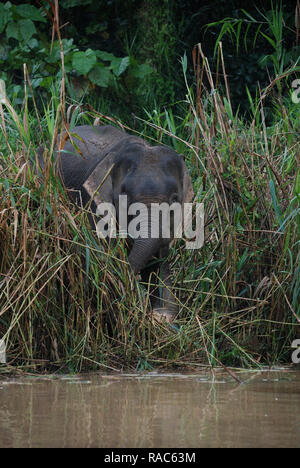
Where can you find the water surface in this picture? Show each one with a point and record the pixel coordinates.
(152, 410)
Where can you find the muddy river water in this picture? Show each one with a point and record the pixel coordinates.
(152, 410)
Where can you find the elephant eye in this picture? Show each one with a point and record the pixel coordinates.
(127, 166)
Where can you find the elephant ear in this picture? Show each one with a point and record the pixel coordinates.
(99, 183)
(188, 192)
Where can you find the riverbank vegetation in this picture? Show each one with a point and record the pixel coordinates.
(68, 300)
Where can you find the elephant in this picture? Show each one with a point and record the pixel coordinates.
(99, 163)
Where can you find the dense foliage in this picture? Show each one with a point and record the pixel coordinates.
(127, 54)
(67, 301)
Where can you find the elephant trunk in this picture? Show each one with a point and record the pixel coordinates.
(141, 252)
(144, 248)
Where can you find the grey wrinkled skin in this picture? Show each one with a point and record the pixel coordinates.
(103, 162)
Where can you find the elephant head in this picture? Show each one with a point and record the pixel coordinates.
(105, 162)
(145, 174)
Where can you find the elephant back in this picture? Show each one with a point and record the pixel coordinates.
(91, 142)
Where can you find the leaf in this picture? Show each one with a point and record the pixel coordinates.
(238, 33)
(256, 35)
(5, 16)
(140, 71)
(248, 15)
(21, 30)
(46, 82)
(297, 185)
(105, 56)
(276, 205)
(123, 65)
(12, 30)
(100, 75)
(184, 63)
(87, 257)
(35, 82)
(33, 43)
(54, 56)
(83, 62)
(26, 29)
(119, 65)
(271, 41)
(67, 45)
(30, 12)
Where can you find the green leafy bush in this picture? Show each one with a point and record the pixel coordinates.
(25, 42)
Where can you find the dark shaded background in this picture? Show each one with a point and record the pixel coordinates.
(158, 33)
(110, 25)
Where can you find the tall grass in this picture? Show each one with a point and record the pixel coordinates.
(69, 301)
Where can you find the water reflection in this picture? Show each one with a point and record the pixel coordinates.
(152, 411)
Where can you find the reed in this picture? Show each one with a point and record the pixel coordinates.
(68, 300)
